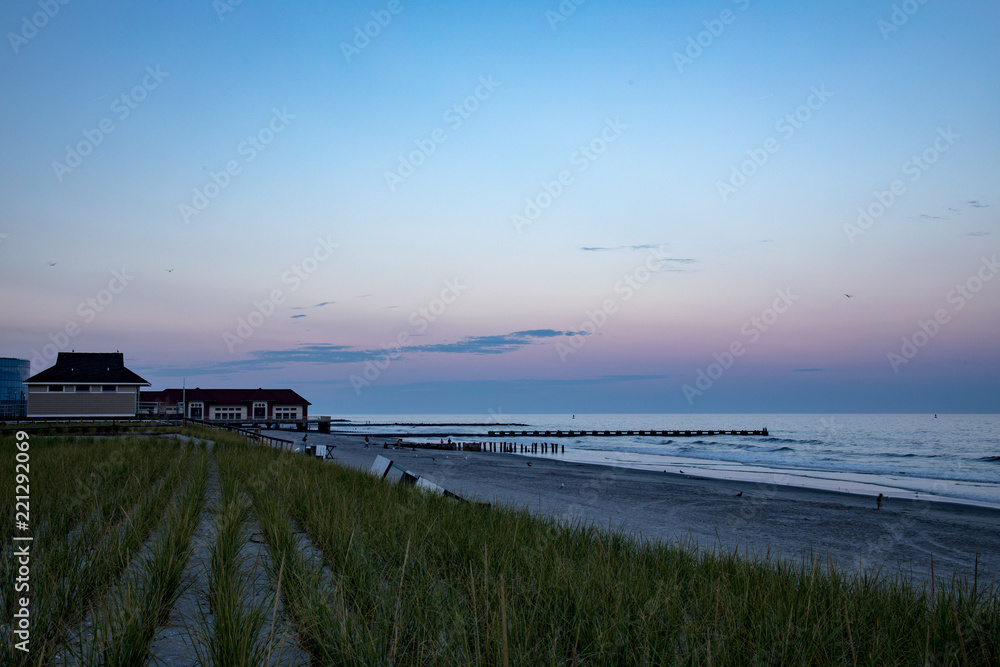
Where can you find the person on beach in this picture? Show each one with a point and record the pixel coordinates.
(878, 502)
(366, 442)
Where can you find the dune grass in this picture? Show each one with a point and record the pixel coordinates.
(94, 503)
(376, 573)
(123, 624)
(235, 628)
(412, 578)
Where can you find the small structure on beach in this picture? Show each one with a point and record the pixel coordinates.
(85, 384)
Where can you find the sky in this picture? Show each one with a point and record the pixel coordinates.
(521, 207)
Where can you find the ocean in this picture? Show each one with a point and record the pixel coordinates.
(942, 457)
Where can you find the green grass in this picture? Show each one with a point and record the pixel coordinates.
(94, 503)
(123, 624)
(235, 629)
(397, 576)
(421, 579)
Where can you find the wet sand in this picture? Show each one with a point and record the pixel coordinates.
(790, 522)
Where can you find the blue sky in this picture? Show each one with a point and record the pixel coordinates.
(649, 207)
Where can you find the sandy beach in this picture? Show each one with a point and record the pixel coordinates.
(788, 521)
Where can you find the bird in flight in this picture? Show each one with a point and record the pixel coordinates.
(170, 270)
(52, 263)
(849, 296)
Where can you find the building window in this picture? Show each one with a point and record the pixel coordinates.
(109, 388)
(55, 387)
(260, 410)
(83, 387)
(227, 413)
(286, 413)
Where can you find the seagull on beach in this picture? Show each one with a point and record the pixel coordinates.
(682, 472)
(562, 486)
(739, 494)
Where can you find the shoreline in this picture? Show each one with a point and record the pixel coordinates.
(788, 521)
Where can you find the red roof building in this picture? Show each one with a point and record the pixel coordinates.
(234, 405)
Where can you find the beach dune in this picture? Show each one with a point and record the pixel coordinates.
(908, 537)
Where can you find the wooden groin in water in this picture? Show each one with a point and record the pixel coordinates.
(475, 446)
(572, 434)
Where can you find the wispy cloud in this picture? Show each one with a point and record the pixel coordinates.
(667, 264)
(318, 305)
(978, 234)
(644, 246)
(494, 344)
(971, 203)
(346, 354)
(606, 379)
(295, 317)
(808, 370)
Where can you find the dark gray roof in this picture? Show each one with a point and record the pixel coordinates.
(88, 368)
